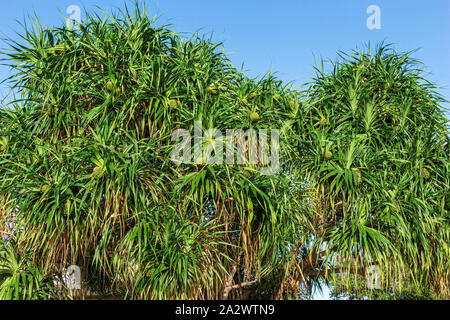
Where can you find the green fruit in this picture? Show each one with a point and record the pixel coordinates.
(173, 103)
(253, 95)
(327, 154)
(212, 89)
(254, 116)
(40, 150)
(44, 188)
(277, 97)
(109, 85)
(97, 172)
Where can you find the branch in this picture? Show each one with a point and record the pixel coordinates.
(228, 283)
(243, 284)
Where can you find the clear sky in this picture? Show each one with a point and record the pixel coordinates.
(284, 36)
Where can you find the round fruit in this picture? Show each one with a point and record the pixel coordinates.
(109, 85)
(173, 103)
(97, 172)
(44, 188)
(254, 116)
(277, 97)
(40, 150)
(327, 154)
(212, 89)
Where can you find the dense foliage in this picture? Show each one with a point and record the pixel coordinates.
(376, 149)
(86, 175)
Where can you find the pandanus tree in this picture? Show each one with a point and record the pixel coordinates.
(87, 175)
(373, 148)
(86, 172)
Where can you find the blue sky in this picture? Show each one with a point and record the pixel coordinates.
(284, 36)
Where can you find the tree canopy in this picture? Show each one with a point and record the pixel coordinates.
(87, 178)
